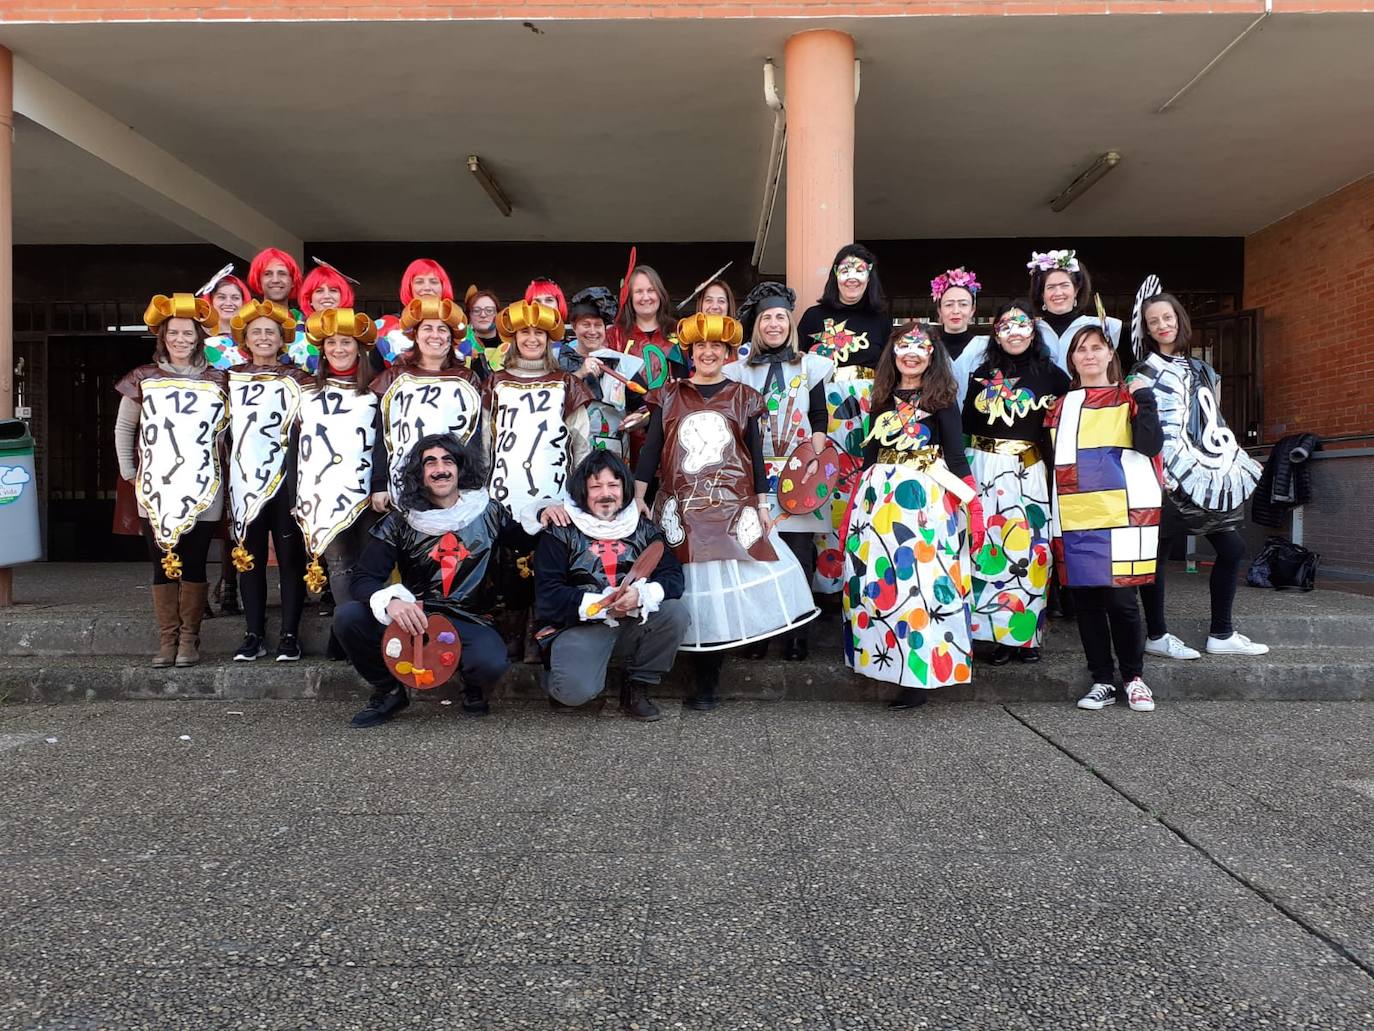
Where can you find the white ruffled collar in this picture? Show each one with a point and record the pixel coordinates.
(467, 508)
(614, 529)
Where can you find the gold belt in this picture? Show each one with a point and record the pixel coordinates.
(920, 458)
(1024, 449)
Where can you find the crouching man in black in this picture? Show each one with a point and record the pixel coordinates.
(577, 565)
(442, 540)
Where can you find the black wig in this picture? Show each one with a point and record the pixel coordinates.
(472, 471)
(593, 465)
(873, 301)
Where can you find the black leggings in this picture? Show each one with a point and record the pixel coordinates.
(1230, 549)
(803, 546)
(275, 518)
(192, 548)
(1108, 617)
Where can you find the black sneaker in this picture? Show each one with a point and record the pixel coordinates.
(327, 604)
(474, 704)
(634, 703)
(251, 649)
(382, 707)
(1028, 654)
(289, 649)
(1001, 655)
(910, 698)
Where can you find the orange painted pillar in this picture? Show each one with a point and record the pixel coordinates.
(819, 93)
(6, 266)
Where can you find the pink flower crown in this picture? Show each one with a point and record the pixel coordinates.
(954, 277)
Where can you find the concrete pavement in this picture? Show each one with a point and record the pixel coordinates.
(797, 865)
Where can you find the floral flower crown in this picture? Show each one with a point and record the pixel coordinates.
(954, 277)
(1065, 261)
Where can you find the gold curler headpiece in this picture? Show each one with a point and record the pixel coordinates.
(346, 322)
(181, 306)
(238, 325)
(701, 328)
(440, 308)
(528, 315)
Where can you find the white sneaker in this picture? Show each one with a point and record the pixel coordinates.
(1138, 696)
(1171, 647)
(1101, 696)
(1236, 644)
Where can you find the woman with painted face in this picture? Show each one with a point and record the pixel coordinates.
(1207, 475)
(171, 415)
(704, 445)
(1106, 512)
(644, 329)
(1062, 299)
(850, 326)
(599, 367)
(907, 540)
(1011, 391)
(264, 404)
(955, 293)
(793, 388)
(427, 390)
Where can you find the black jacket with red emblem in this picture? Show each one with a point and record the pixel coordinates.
(448, 572)
(568, 565)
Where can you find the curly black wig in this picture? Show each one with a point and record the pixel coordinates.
(472, 469)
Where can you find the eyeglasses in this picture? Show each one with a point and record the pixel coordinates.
(482, 311)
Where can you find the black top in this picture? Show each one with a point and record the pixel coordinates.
(1027, 393)
(467, 592)
(956, 342)
(945, 433)
(652, 449)
(859, 342)
(1059, 323)
(569, 564)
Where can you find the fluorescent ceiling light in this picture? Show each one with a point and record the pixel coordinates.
(1104, 164)
(492, 187)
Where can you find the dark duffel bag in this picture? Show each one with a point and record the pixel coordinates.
(1281, 563)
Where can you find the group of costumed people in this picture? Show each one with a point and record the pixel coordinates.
(655, 485)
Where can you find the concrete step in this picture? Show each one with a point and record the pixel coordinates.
(1289, 674)
(1320, 619)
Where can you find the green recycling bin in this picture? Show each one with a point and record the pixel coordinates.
(20, 540)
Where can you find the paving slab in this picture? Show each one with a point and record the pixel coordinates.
(803, 864)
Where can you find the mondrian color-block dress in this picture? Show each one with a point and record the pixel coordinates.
(1106, 494)
(1004, 426)
(906, 551)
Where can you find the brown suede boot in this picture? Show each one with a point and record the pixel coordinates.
(168, 622)
(192, 611)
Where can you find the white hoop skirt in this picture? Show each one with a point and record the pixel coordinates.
(734, 603)
(906, 586)
(1012, 573)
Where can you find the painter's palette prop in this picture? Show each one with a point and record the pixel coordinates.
(423, 661)
(808, 477)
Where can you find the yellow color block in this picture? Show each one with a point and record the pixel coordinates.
(1104, 427)
(1097, 510)
(1122, 568)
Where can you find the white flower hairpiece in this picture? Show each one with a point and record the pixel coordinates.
(1064, 261)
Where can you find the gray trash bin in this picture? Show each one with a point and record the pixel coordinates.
(20, 540)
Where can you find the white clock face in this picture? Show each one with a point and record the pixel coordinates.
(179, 473)
(262, 408)
(333, 461)
(416, 406)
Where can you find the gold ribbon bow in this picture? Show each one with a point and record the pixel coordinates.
(181, 306)
(340, 322)
(238, 325)
(529, 315)
(243, 558)
(171, 566)
(315, 580)
(702, 328)
(441, 308)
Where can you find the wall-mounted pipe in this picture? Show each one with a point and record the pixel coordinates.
(1268, 10)
(776, 150)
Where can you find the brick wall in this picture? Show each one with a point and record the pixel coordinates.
(1313, 274)
(348, 10)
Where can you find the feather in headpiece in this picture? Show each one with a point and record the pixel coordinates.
(1148, 289)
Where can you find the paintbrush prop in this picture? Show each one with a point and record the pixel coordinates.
(643, 566)
(706, 282)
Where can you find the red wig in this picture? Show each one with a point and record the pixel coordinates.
(230, 280)
(321, 276)
(266, 257)
(415, 268)
(541, 287)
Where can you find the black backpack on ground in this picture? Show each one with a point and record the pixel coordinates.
(1281, 563)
